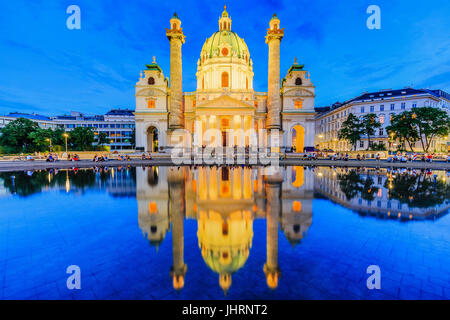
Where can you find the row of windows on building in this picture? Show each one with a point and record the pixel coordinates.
(100, 126)
(391, 107)
(341, 114)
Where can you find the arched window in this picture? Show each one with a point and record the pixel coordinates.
(203, 83)
(246, 83)
(174, 26)
(298, 82)
(151, 80)
(225, 80)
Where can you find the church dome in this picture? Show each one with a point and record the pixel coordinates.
(224, 62)
(214, 45)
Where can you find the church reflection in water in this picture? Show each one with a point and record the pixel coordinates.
(225, 201)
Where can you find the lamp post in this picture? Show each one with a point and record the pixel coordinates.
(50, 141)
(65, 135)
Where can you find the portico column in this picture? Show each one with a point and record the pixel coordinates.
(243, 132)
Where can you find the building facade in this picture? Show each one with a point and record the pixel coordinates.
(225, 100)
(118, 124)
(384, 104)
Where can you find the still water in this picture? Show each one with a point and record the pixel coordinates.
(230, 232)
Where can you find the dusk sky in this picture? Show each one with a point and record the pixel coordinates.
(48, 69)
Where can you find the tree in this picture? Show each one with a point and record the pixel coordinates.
(368, 124)
(81, 138)
(102, 138)
(41, 139)
(15, 135)
(403, 129)
(351, 130)
(430, 123)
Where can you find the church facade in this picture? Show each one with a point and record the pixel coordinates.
(225, 110)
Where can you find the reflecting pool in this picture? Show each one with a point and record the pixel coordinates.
(225, 233)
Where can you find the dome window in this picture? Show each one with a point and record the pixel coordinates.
(224, 51)
(225, 80)
(151, 81)
(298, 82)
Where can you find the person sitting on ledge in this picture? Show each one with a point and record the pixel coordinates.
(75, 158)
(149, 157)
(358, 157)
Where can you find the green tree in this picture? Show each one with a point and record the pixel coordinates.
(81, 138)
(430, 123)
(351, 130)
(368, 124)
(402, 128)
(102, 138)
(41, 139)
(15, 135)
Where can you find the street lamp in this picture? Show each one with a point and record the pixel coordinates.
(65, 135)
(50, 145)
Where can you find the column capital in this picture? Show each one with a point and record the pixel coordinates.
(274, 34)
(175, 34)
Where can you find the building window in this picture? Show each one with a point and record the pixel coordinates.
(414, 105)
(151, 80)
(298, 104)
(392, 106)
(224, 79)
(296, 206)
(150, 104)
(246, 83)
(403, 106)
(298, 82)
(381, 131)
(224, 51)
(362, 109)
(361, 144)
(372, 108)
(382, 107)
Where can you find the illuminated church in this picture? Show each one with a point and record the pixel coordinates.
(225, 99)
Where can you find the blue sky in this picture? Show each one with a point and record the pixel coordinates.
(49, 69)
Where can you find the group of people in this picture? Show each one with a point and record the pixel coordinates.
(52, 157)
(100, 158)
(146, 156)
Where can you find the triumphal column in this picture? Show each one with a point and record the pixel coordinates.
(176, 110)
(273, 40)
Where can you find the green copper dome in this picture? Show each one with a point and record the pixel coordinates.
(214, 263)
(231, 38)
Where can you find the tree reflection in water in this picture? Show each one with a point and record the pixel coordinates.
(352, 184)
(420, 191)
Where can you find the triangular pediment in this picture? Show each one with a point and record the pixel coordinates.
(224, 101)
